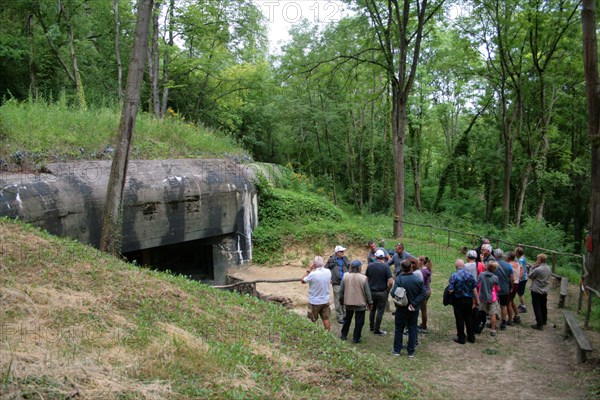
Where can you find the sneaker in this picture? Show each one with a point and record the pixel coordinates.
(522, 308)
(380, 333)
(517, 320)
(457, 340)
(396, 354)
(493, 333)
(510, 322)
(411, 355)
(503, 325)
(355, 341)
(343, 338)
(422, 330)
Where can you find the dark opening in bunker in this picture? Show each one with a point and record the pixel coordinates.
(193, 259)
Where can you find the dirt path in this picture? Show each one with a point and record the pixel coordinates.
(518, 363)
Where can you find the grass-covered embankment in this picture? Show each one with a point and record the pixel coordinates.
(35, 133)
(76, 322)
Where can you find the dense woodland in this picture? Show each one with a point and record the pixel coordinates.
(478, 107)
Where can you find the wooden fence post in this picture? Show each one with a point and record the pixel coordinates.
(581, 288)
(564, 290)
(589, 309)
(553, 262)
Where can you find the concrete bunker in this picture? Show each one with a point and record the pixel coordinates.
(200, 212)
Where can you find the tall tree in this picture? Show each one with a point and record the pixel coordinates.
(110, 239)
(590, 49)
(399, 30)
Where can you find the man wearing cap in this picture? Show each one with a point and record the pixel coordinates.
(356, 297)
(338, 264)
(318, 279)
(380, 282)
(398, 257)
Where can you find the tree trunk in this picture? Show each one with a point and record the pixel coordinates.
(522, 191)
(165, 96)
(32, 65)
(590, 51)
(399, 138)
(350, 159)
(155, 62)
(506, 180)
(76, 75)
(118, 50)
(110, 240)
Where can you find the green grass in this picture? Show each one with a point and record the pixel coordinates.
(35, 133)
(135, 329)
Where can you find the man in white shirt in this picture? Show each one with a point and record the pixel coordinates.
(318, 279)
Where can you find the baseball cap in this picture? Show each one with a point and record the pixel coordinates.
(339, 248)
(379, 254)
(356, 263)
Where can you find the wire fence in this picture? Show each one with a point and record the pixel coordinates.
(446, 240)
(467, 241)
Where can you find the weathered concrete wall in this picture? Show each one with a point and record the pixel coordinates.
(165, 202)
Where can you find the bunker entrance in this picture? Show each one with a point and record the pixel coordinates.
(193, 259)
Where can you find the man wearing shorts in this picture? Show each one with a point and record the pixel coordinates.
(318, 279)
(504, 272)
(489, 286)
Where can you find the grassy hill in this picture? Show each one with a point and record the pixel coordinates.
(78, 323)
(33, 134)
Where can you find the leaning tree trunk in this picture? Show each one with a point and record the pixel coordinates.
(590, 51)
(110, 240)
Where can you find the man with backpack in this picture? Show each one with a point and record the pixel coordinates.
(407, 311)
(462, 286)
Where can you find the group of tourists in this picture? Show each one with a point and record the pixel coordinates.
(486, 287)
(482, 289)
(354, 293)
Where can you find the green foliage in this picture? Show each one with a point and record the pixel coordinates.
(538, 233)
(286, 206)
